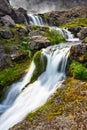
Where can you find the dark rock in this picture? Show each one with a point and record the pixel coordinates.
(6, 34)
(19, 16)
(21, 32)
(75, 30)
(7, 20)
(3, 58)
(5, 7)
(17, 57)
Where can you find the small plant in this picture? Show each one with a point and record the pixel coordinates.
(78, 70)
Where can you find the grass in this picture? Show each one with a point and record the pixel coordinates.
(12, 74)
(54, 37)
(77, 22)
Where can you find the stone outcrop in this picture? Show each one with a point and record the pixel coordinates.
(38, 40)
(78, 53)
(5, 7)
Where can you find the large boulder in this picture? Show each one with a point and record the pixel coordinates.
(19, 15)
(38, 42)
(7, 20)
(78, 52)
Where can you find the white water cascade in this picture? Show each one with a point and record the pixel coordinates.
(35, 20)
(24, 98)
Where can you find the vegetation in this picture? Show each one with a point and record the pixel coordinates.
(78, 70)
(77, 22)
(40, 63)
(65, 101)
(12, 74)
(54, 37)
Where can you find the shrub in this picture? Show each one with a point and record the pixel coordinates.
(78, 70)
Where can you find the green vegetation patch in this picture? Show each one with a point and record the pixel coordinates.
(77, 22)
(12, 74)
(54, 37)
(40, 62)
(78, 70)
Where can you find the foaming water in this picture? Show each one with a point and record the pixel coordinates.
(24, 98)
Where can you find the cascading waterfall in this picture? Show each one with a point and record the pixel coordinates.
(35, 20)
(22, 100)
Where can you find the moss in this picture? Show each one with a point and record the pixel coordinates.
(40, 63)
(12, 74)
(65, 101)
(86, 39)
(54, 37)
(78, 70)
(21, 26)
(76, 22)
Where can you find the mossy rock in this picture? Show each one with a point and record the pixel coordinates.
(40, 62)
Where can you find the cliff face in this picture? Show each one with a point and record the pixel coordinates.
(40, 6)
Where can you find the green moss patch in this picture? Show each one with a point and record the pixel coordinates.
(54, 37)
(40, 63)
(12, 74)
(78, 70)
(77, 22)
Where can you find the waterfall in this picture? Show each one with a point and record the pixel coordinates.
(37, 93)
(35, 20)
(15, 89)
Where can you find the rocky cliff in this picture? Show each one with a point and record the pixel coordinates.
(38, 6)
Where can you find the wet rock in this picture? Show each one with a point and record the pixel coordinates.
(75, 30)
(6, 34)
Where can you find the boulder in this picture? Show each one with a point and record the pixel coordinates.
(7, 20)
(19, 15)
(5, 7)
(6, 34)
(77, 52)
(38, 42)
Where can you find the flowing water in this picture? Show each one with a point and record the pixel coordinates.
(22, 97)
(35, 20)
